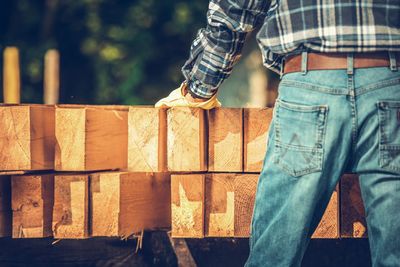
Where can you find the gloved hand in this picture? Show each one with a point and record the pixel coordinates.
(181, 98)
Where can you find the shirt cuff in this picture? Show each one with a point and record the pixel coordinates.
(198, 90)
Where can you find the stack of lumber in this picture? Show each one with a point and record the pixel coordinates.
(76, 171)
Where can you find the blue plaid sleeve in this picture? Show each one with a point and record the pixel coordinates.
(218, 46)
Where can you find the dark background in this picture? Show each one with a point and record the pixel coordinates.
(157, 251)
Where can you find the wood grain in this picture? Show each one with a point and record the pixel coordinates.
(147, 139)
(220, 205)
(70, 212)
(353, 223)
(32, 205)
(91, 138)
(255, 126)
(187, 205)
(245, 192)
(186, 144)
(225, 140)
(229, 204)
(26, 137)
(328, 227)
(125, 203)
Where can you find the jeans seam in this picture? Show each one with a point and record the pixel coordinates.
(378, 85)
(313, 87)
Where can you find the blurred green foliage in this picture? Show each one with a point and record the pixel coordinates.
(119, 52)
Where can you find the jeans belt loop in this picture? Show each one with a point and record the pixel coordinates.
(350, 63)
(393, 61)
(304, 61)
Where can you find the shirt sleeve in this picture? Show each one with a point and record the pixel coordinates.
(218, 47)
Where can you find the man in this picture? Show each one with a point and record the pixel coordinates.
(338, 110)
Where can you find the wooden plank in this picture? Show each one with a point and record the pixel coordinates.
(70, 212)
(147, 139)
(182, 252)
(27, 137)
(187, 205)
(186, 144)
(125, 203)
(11, 76)
(255, 126)
(353, 223)
(32, 205)
(225, 143)
(245, 193)
(329, 225)
(220, 205)
(229, 204)
(5, 206)
(90, 139)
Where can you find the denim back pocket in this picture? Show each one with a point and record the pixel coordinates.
(299, 137)
(389, 135)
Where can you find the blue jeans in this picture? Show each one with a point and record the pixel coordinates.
(325, 123)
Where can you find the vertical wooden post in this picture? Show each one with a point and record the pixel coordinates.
(11, 76)
(51, 77)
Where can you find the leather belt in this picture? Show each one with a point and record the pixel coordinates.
(331, 61)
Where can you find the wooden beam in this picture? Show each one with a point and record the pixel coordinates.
(229, 204)
(5, 206)
(32, 205)
(51, 80)
(245, 193)
(186, 144)
(225, 143)
(187, 205)
(11, 76)
(256, 125)
(353, 223)
(90, 138)
(147, 140)
(329, 225)
(70, 212)
(26, 137)
(125, 203)
(220, 205)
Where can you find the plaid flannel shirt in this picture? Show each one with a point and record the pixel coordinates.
(287, 27)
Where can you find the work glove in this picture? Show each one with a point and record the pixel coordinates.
(179, 98)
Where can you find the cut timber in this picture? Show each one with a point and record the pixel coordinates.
(70, 212)
(32, 205)
(5, 206)
(125, 203)
(329, 225)
(26, 137)
(147, 141)
(229, 204)
(186, 139)
(245, 193)
(256, 125)
(90, 138)
(225, 143)
(220, 205)
(187, 205)
(353, 224)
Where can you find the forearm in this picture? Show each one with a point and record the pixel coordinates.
(219, 46)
